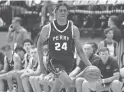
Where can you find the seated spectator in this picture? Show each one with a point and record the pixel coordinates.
(90, 50)
(6, 49)
(26, 46)
(36, 80)
(32, 70)
(14, 64)
(108, 42)
(110, 74)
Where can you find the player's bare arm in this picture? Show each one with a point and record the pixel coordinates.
(43, 36)
(79, 47)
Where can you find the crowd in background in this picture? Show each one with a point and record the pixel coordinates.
(19, 63)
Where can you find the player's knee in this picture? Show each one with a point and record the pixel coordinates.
(85, 84)
(31, 79)
(115, 84)
(9, 77)
(79, 81)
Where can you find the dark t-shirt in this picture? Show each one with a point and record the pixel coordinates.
(92, 59)
(109, 68)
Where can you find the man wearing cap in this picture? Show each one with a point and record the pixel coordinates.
(62, 38)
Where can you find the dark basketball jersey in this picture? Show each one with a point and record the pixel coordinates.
(61, 42)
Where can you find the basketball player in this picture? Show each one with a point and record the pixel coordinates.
(14, 65)
(62, 37)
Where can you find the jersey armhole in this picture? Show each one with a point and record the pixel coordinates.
(49, 31)
(72, 29)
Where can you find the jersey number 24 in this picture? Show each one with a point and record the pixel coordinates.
(59, 46)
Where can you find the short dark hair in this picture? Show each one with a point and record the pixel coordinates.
(18, 49)
(27, 40)
(107, 30)
(103, 49)
(61, 4)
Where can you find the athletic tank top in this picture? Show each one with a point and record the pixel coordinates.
(25, 61)
(61, 42)
(34, 64)
(10, 63)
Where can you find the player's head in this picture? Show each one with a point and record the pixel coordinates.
(104, 54)
(33, 52)
(88, 50)
(17, 21)
(27, 45)
(61, 11)
(6, 49)
(109, 33)
(20, 51)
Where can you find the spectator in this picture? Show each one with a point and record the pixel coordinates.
(110, 72)
(17, 34)
(113, 22)
(6, 49)
(18, 57)
(26, 46)
(89, 51)
(108, 42)
(32, 70)
(12, 65)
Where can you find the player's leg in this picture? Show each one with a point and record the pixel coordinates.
(32, 80)
(47, 82)
(57, 86)
(85, 86)
(10, 80)
(26, 84)
(78, 84)
(116, 86)
(19, 81)
(2, 85)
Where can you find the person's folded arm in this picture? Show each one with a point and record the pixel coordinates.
(110, 79)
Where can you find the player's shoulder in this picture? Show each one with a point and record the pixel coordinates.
(46, 28)
(75, 28)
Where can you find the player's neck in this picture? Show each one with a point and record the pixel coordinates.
(61, 22)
